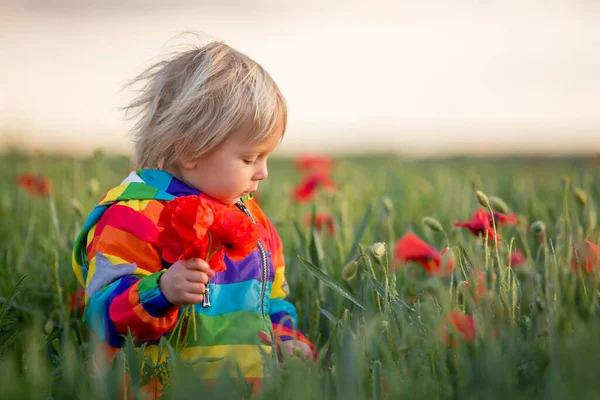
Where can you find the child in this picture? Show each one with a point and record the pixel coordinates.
(208, 120)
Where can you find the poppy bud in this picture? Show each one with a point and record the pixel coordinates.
(77, 207)
(349, 271)
(498, 204)
(49, 326)
(482, 198)
(384, 325)
(581, 197)
(388, 205)
(538, 227)
(94, 186)
(378, 249)
(592, 220)
(433, 224)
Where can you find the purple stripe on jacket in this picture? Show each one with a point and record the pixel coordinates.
(247, 269)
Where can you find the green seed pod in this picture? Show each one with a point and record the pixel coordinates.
(77, 207)
(592, 220)
(433, 224)
(49, 326)
(94, 186)
(384, 325)
(498, 204)
(581, 197)
(482, 198)
(538, 227)
(378, 249)
(349, 271)
(388, 205)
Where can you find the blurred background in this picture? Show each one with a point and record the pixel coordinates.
(418, 78)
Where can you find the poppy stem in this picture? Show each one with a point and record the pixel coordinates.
(388, 301)
(495, 234)
(213, 253)
(194, 321)
(177, 331)
(447, 239)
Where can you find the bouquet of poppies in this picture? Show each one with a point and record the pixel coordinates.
(192, 227)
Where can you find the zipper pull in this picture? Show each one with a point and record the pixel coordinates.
(206, 299)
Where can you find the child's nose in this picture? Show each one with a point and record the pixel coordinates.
(262, 173)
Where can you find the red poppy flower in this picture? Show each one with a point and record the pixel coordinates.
(182, 223)
(501, 219)
(35, 185)
(198, 248)
(479, 278)
(44, 186)
(457, 324)
(588, 256)
(411, 248)
(27, 182)
(191, 216)
(307, 188)
(321, 219)
(310, 163)
(191, 228)
(479, 224)
(235, 234)
(517, 258)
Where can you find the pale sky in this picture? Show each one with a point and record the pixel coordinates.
(417, 77)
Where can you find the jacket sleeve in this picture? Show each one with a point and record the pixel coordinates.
(125, 266)
(282, 312)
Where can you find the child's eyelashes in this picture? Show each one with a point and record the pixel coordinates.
(249, 162)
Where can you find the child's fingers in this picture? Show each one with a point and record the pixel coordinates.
(195, 288)
(198, 264)
(296, 350)
(191, 298)
(196, 276)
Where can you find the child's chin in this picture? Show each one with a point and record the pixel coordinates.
(231, 201)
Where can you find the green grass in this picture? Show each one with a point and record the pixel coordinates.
(537, 327)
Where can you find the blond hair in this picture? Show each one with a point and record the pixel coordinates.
(189, 105)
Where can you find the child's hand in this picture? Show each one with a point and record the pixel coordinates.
(185, 281)
(294, 350)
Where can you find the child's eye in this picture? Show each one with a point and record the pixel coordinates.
(249, 162)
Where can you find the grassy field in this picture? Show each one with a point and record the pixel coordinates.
(385, 328)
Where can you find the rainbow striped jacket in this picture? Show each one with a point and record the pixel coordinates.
(116, 258)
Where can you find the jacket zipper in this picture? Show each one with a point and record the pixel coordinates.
(265, 273)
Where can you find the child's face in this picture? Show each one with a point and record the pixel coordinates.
(233, 170)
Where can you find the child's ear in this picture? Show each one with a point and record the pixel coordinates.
(190, 164)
